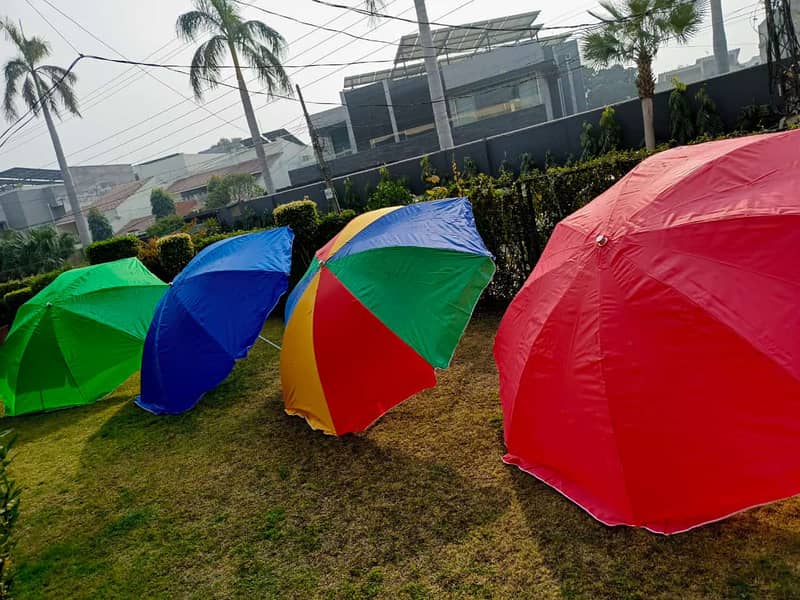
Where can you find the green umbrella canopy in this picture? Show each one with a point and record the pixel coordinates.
(79, 338)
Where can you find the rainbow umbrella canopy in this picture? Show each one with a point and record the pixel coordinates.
(382, 305)
(79, 338)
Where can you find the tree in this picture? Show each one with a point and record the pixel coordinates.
(681, 127)
(720, 39)
(633, 31)
(165, 226)
(709, 122)
(609, 86)
(99, 226)
(440, 117)
(44, 89)
(36, 251)
(610, 137)
(223, 191)
(258, 45)
(161, 203)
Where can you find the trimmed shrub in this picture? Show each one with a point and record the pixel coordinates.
(201, 243)
(38, 282)
(174, 253)
(10, 286)
(331, 224)
(12, 301)
(303, 218)
(113, 249)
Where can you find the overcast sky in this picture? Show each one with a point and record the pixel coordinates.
(132, 116)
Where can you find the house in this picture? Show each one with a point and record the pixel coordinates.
(511, 76)
(140, 225)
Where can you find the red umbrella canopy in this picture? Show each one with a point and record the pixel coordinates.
(650, 366)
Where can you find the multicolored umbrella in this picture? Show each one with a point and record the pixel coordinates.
(79, 338)
(650, 366)
(382, 304)
(211, 317)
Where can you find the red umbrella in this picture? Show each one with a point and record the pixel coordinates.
(650, 366)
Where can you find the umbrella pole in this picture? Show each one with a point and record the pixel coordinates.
(273, 344)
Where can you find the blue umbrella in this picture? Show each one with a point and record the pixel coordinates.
(211, 317)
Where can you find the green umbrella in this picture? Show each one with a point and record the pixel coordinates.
(79, 338)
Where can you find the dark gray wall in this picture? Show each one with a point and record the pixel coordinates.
(560, 137)
(368, 114)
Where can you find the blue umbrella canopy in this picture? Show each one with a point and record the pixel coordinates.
(211, 317)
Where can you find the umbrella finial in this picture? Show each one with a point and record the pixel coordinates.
(49, 305)
(601, 240)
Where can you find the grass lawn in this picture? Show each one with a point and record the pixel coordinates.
(236, 499)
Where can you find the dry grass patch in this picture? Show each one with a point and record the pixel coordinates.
(236, 499)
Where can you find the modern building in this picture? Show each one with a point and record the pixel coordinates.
(702, 69)
(498, 75)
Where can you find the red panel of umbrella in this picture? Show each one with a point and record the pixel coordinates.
(650, 366)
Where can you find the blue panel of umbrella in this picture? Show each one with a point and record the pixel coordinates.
(211, 316)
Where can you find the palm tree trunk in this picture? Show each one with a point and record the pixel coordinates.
(440, 118)
(252, 124)
(75, 206)
(720, 40)
(646, 85)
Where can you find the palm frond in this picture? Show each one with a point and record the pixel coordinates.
(268, 68)
(191, 24)
(29, 95)
(13, 71)
(257, 31)
(206, 62)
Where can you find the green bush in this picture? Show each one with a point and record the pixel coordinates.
(201, 243)
(223, 191)
(331, 224)
(9, 511)
(709, 122)
(610, 138)
(12, 301)
(14, 284)
(38, 282)
(165, 226)
(351, 199)
(174, 253)
(113, 249)
(303, 218)
(389, 192)
(680, 114)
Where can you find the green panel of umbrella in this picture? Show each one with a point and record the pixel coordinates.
(79, 338)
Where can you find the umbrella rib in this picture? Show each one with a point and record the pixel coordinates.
(711, 315)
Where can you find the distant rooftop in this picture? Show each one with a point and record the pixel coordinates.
(200, 180)
(30, 176)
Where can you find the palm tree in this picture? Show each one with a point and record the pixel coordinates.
(46, 89)
(440, 118)
(27, 253)
(633, 31)
(261, 47)
(720, 39)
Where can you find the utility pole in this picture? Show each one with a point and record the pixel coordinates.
(783, 57)
(330, 191)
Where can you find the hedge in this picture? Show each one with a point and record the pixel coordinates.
(112, 249)
(174, 253)
(302, 216)
(11, 303)
(201, 243)
(330, 225)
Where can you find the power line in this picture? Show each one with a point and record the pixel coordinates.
(115, 51)
(149, 118)
(533, 29)
(53, 27)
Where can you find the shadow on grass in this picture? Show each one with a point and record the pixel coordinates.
(237, 493)
(748, 556)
